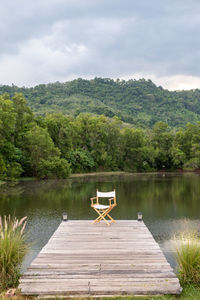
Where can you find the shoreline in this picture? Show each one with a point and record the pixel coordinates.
(119, 173)
(109, 173)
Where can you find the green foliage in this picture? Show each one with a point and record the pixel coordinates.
(13, 248)
(9, 170)
(54, 145)
(14, 170)
(39, 145)
(54, 167)
(81, 161)
(27, 148)
(188, 259)
(192, 164)
(60, 129)
(139, 102)
(7, 119)
(178, 157)
(136, 156)
(44, 157)
(162, 142)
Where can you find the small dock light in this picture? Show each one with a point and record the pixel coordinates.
(139, 216)
(64, 216)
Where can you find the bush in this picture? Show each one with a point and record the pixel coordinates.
(53, 168)
(10, 170)
(188, 259)
(13, 248)
(3, 169)
(14, 170)
(193, 163)
(81, 161)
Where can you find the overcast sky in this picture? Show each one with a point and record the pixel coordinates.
(45, 41)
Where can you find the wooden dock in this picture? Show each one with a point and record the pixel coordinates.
(85, 260)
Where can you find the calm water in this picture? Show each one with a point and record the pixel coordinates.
(170, 204)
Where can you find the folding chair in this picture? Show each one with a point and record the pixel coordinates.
(104, 210)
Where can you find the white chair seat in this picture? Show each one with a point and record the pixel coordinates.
(99, 206)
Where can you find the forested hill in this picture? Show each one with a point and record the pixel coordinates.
(139, 102)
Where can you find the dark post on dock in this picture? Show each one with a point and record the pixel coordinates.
(85, 259)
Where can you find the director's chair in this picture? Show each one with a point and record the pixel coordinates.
(104, 210)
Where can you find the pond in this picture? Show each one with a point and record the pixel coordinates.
(170, 204)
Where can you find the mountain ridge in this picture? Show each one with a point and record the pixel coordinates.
(139, 102)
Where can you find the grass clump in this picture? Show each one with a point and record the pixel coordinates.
(188, 259)
(13, 248)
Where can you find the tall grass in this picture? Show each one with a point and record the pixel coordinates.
(188, 259)
(13, 247)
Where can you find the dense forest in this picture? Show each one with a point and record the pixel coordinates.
(139, 102)
(54, 145)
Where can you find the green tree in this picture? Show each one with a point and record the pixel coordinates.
(7, 119)
(100, 136)
(54, 167)
(24, 118)
(10, 167)
(137, 156)
(81, 161)
(61, 131)
(43, 154)
(161, 141)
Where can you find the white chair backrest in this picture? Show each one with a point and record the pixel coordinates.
(106, 195)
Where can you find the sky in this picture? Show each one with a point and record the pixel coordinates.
(45, 41)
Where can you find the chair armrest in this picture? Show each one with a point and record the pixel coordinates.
(110, 201)
(92, 200)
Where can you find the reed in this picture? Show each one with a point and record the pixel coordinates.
(13, 247)
(188, 259)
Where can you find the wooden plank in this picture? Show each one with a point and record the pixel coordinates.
(106, 274)
(111, 247)
(137, 255)
(96, 281)
(127, 289)
(102, 267)
(93, 261)
(87, 260)
(97, 251)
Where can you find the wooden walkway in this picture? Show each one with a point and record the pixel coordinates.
(88, 260)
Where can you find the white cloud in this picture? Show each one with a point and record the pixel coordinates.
(179, 82)
(41, 61)
(175, 82)
(59, 40)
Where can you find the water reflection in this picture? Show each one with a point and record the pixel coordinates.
(169, 204)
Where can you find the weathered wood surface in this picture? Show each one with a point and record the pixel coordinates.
(82, 259)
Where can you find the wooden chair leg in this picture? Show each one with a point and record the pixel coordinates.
(105, 214)
(101, 216)
(98, 219)
(106, 221)
(112, 220)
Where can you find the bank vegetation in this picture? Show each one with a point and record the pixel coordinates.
(56, 145)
